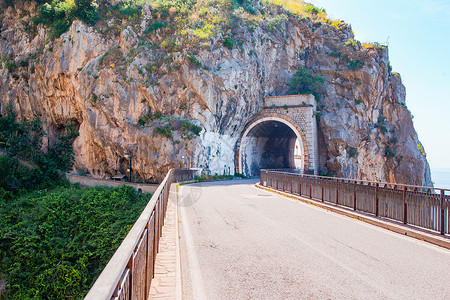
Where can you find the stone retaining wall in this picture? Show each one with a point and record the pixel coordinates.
(89, 181)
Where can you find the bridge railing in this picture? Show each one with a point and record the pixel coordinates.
(425, 207)
(296, 171)
(129, 273)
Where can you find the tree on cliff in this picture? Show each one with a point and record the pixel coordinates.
(86, 10)
(303, 82)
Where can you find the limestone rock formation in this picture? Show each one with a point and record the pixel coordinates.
(108, 79)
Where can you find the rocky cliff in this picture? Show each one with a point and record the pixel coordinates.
(140, 83)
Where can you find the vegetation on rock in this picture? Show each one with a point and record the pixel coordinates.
(54, 239)
(24, 139)
(207, 60)
(166, 124)
(303, 82)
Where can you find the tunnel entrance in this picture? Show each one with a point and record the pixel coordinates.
(270, 144)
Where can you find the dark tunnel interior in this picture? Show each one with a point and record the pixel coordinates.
(268, 145)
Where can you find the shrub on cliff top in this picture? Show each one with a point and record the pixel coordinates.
(303, 82)
(312, 9)
(59, 14)
(87, 11)
(351, 42)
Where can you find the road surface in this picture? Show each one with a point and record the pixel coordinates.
(240, 242)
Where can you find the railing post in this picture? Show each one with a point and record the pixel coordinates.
(405, 207)
(337, 192)
(441, 207)
(300, 186)
(310, 189)
(321, 184)
(376, 199)
(354, 195)
(155, 246)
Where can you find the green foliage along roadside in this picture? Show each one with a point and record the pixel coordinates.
(303, 82)
(24, 140)
(55, 243)
(54, 239)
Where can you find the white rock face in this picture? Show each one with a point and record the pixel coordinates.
(365, 131)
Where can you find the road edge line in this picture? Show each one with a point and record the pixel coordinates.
(178, 286)
(397, 228)
(198, 288)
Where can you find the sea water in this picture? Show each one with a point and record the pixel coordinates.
(441, 178)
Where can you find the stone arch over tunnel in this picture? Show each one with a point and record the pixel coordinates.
(269, 142)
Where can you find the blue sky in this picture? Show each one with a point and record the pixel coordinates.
(418, 35)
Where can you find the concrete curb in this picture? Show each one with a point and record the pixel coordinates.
(417, 233)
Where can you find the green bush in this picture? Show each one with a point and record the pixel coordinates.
(158, 115)
(24, 139)
(8, 169)
(335, 54)
(60, 154)
(381, 124)
(351, 151)
(276, 22)
(59, 14)
(165, 131)
(21, 138)
(227, 42)
(11, 66)
(239, 175)
(54, 243)
(145, 119)
(389, 152)
(312, 9)
(303, 82)
(325, 174)
(351, 42)
(205, 177)
(185, 127)
(154, 26)
(47, 13)
(86, 10)
(354, 64)
(58, 27)
(193, 60)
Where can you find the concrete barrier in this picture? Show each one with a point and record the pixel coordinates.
(90, 181)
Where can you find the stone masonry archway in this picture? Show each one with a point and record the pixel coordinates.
(283, 135)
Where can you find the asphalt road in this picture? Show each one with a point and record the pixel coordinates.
(240, 242)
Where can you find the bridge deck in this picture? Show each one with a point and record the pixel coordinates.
(239, 242)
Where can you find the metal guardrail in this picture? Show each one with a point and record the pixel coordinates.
(129, 272)
(296, 171)
(425, 207)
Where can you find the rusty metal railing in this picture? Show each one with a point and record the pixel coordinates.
(129, 273)
(425, 207)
